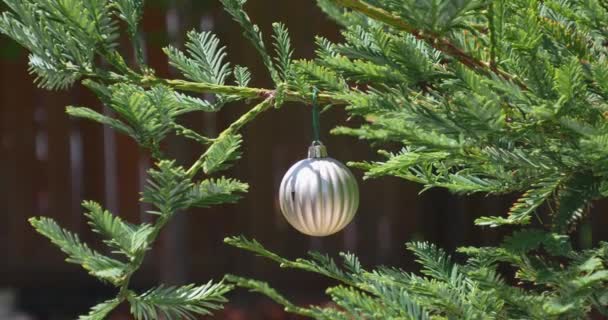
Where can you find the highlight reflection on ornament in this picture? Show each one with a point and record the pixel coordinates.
(319, 196)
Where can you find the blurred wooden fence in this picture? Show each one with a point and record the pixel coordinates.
(49, 163)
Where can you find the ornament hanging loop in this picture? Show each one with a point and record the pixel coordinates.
(316, 116)
(316, 149)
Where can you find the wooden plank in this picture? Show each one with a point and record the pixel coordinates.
(19, 174)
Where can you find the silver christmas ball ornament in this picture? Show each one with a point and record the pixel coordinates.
(319, 196)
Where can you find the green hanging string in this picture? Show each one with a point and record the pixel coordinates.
(316, 115)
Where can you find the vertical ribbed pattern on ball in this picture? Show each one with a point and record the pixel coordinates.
(319, 196)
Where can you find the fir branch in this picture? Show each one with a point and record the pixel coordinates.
(205, 62)
(437, 42)
(90, 114)
(282, 44)
(572, 202)
(131, 12)
(252, 33)
(192, 104)
(242, 76)
(363, 305)
(147, 114)
(101, 311)
(242, 92)
(167, 188)
(265, 289)
(234, 129)
(521, 211)
(534, 113)
(216, 191)
(98, 265)
(118, 234)
(222, 153)
(318, 263)
(184, 302)
(191, 134)
(527, 240)
(436, 263)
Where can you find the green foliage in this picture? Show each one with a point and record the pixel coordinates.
(132, 241)
(524, 206)
(436, 15)
(491, 97)
(131, 12)
(283, 50)
(98, 265)
(146, 115)
(206, 61)
(529, 124)
(212, 192)
(252, 33)
(339, 14)
(68, 40)
(62, 36)
(474, 96)
(169, 189)
(449, 290)
(101, 311)
(242, 76)
(221, 153)
(265, 289)
(178, 302)
(128, 239)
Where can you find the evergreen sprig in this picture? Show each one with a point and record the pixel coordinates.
(252, 32)
(98, 265)
(477, 103)
(131, 12)
(205, 62)
(284, 52)
(474, 96)
(68, 41)
(222, 152)
(473, 290)
(101, 311)
(178, 302)
(128, 239)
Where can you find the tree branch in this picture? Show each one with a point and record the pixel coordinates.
(234, 128)
(243, 92)
(434, 40)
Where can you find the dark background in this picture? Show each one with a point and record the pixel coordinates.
(49, 163)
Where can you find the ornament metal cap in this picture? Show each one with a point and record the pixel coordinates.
(317, 150)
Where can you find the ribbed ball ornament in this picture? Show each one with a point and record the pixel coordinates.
(319, 196)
